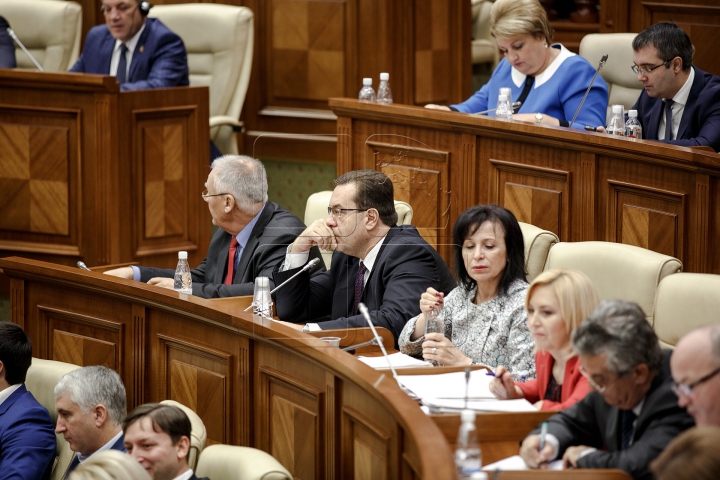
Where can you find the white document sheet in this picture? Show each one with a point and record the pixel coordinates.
(449, 385)
(398, 360)
(517, 463)
(511, 406)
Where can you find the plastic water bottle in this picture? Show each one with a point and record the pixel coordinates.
(183, 278)
(506, 91)
(617, 123)
(262, 302)
(384, 95)
(467, 454)
(504, 108)
(367, 94)
(632, 126)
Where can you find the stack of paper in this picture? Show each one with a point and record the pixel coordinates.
(517, 463)
(398, 360)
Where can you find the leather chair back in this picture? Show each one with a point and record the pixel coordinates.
(226, 462)
(618, 271)
(484, 48)
(317, 204)
(685, 301)
(537, 247)
(41, 379)
(198, 435)
(219, 43)
(623, 85)
(49, 29)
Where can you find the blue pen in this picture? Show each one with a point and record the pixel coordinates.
(543, 435)
(515, 377)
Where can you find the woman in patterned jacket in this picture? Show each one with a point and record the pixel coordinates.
(484, 317)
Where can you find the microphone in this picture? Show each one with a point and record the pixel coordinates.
(515, 106)
(587, 92)
(364, 311)
(82, 266)
(17, 40)
(307, 267)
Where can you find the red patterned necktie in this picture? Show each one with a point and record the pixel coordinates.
(231, 261)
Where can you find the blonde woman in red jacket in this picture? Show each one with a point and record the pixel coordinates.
(556, 303)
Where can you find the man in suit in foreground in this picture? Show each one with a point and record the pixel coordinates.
(680, 104)
(91, 404)
(696, 370)
(27, 442)
(385, 266)
(631, 412)
(158, 436)
(251, 238)
(141, 52)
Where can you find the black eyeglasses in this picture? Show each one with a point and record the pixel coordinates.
(687, 388)
(338, 212)
(637, 69)
(206, 195)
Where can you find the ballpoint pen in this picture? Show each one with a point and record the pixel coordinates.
(515, 377)
(543, 435)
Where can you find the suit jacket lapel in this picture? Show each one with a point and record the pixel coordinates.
(654, 122)
(252, 243)
(139, 52)
(223, 258)
(611, 440)
(688, 111)
(106, 54)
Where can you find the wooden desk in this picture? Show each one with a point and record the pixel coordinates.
(582, 186)
(319, 411)
(94, 174)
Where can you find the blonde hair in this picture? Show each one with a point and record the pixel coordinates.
(576, 294)
(509, 18)
(110, 465)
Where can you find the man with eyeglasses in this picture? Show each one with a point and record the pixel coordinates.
(385, 266)
(680, 104)
(252, 236)
(695, 367)
(631, 412)
(140, 52)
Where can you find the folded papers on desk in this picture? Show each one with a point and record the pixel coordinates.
(444, 405)
(398, 360)
(517, 463)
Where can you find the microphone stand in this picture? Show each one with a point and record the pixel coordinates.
(485, 112)
(587, 92)
(307, 267)
(17, 40)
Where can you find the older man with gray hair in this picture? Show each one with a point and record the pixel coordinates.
(631, 412)
(91, 405)
(252, 237)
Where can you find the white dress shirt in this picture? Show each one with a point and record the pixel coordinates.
(82, 458)
(678, 107)
(5, 394)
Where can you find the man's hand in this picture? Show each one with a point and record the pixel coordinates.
(123, 272)
(318, 233)
(162, 282)
(529, 451)
(572, 455)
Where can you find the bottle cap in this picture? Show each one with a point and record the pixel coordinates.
(467, 416)
(367, 82)
(385, 76)
(502, 98)
(505, 91)
(617, 109)
(182, 255)
(632, 113)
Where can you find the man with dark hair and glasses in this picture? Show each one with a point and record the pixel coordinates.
(631, 412)
(376, 262)
(252, 235)
(695, 367)
(680, 104)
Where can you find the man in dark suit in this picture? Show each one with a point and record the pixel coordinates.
(375, 262)
(141, 52)
(680, 104)
(91, 404)
(253, 232)
(158, 436)
(631, 413)
(27, 442)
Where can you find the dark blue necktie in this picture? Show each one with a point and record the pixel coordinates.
(627, 418)
(122, 65)
(668, 119)
(359, 287)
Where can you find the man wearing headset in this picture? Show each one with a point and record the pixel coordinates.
(140, 52)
